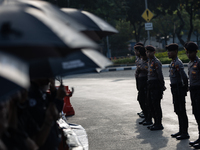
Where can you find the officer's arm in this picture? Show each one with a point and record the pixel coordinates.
(50, 117)
(184, 77)
(158, 68)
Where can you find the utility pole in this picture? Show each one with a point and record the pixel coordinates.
(146, 7)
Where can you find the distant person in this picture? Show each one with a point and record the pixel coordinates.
(179, 86)
(42, 104)
(156, 86)
(16, 138)
(194, 80)
(4, 111)
(142, 70)
(137, 62)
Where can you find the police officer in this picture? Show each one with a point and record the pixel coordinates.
(179, 86)
(194, 80)
(156, 86)
(138, 62)
(142, 69)
(43, 104)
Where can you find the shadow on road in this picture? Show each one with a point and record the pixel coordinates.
(183, 145)
(154, 138)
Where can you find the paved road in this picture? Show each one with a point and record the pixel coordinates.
(105, 105)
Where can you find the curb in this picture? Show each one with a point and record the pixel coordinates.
(119, 68)
(132, 68)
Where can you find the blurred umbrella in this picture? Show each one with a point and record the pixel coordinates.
(96, 28)
(91, 25)
(83, 61)
(51, 11)
(29, 33)
(13, 75)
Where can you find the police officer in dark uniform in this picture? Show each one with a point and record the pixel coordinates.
(156, 86)
(194, 80)
(138, 62)
(41, 103)
(142, 70)
(179, 86)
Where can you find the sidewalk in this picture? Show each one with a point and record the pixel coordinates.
(126, 67)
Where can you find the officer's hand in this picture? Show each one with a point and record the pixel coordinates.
(54, 111)
(61, 92)
(52, 85)
(164, 88)
(51, 114)
(136, 74)
(48, 117)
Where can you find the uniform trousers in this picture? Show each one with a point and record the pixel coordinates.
(178, 94)
(142, 95)
(154, 96)
(195, 98)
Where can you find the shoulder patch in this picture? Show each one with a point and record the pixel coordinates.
(177, 67)
(156, 65)
(32, 102)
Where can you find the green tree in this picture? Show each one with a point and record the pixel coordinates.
(134, 10)
(119, 42)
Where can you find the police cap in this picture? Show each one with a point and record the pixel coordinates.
(191, 46)
(172, 47)
(137, 47)
(150, 48)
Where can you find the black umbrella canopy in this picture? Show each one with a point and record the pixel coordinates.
(96, 28)
(91, 25)
(29, 33)
(83, 61)
(51, 11)
(14, 75)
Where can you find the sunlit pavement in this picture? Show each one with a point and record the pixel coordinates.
(106, 106)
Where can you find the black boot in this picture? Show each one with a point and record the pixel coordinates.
(149, 127)
(196, 146)
(183, 136)
(157, 127)
(147, 122)
(176, 134)
(194, 142)
(141, 122)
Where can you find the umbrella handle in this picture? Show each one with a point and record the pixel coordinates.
(61, 81)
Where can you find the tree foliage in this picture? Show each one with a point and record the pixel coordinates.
(125, 15)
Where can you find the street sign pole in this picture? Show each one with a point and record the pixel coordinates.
(146, 6)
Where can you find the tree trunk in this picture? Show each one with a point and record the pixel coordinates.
(179, 29)
(191, 25)
(165, 39)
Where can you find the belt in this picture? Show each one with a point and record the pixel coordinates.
(153, 81)
(194, 87)
(175, 85)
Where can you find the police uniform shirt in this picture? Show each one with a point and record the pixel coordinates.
(155, 70)
(194, 72)
(143, 68)
(177, 73)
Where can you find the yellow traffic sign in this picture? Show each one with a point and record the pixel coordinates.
(147, 15)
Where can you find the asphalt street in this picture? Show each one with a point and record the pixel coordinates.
(106, 106)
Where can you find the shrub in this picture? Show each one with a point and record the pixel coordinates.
(162, 56)
(130, 60)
